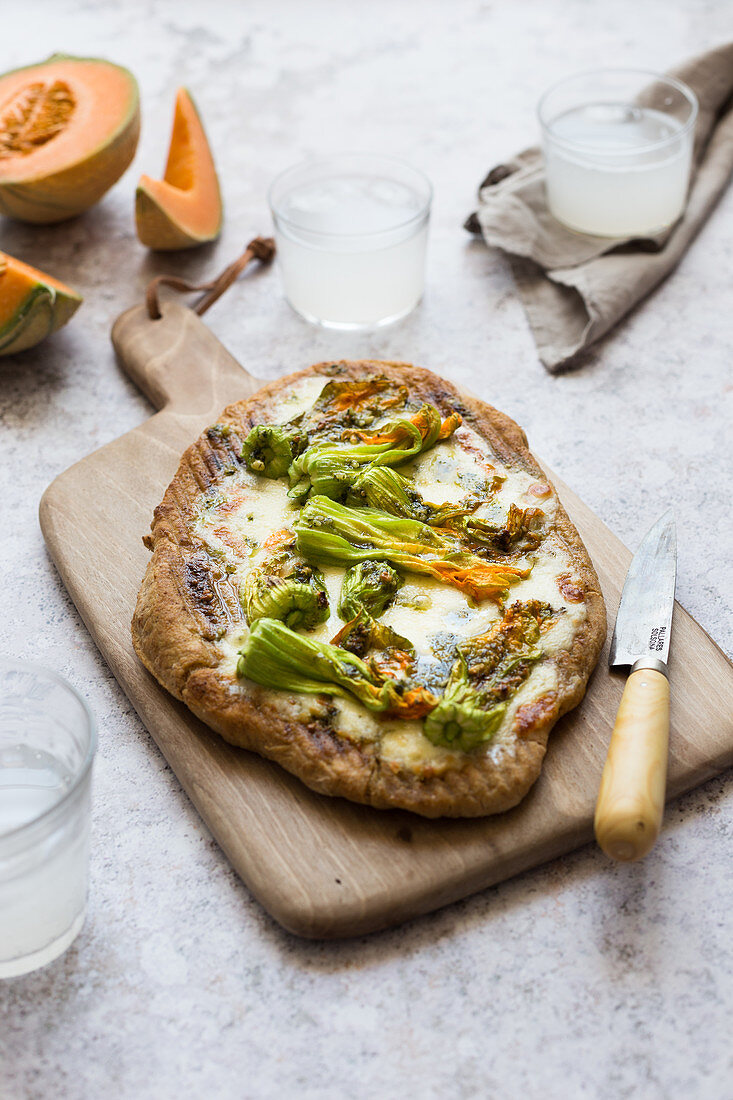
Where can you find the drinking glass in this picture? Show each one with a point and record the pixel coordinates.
(351, 234)
(618, 148)
(47, 744)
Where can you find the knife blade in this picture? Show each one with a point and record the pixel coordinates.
(631, 796)
(644, 619)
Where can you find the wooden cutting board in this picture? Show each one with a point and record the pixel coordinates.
(324, 867)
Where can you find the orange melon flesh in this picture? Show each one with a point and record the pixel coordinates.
(32, 305)
(89, 109)
(184, 208)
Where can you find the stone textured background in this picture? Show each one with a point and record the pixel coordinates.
(581, 979)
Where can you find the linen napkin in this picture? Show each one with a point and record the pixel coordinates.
(574, 286)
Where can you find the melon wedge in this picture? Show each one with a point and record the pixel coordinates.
(184, 208)
(32, 305)
(68, 130)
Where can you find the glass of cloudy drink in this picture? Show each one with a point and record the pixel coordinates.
(47, 743)
(351, 233)
(618, 148)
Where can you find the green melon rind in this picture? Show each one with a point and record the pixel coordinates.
(42, 312)
(64, 194)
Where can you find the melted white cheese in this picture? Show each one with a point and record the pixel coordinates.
(435, 617)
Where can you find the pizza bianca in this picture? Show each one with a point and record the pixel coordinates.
(365, 576)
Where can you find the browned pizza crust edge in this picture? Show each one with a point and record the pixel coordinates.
(183, 607)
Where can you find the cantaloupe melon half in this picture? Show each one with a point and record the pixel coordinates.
(32, 305)
(68, 130)
(184, 208)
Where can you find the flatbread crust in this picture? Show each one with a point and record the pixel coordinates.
(186, 604)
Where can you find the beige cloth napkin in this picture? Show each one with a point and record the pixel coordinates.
(575, 287)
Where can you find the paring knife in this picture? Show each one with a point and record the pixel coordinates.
(631, 798)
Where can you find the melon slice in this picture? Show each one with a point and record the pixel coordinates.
(68, 130)
(32, 305)
(184, 208)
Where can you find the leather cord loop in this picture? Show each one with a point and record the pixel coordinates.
(261, 248)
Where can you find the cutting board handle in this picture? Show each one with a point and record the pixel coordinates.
(177, 361)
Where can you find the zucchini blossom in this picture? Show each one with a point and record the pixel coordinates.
(388, 491)
(330, 531)
(426, 420)
(277, 657)
(287, 588)
(328, 469)
(384, 489)
(487, 672)
(268, 450)
(522, 531)
(350, 404)
(368, 586)
(364, 635)
(388, 656)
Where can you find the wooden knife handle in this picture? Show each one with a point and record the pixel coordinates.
(631, 798)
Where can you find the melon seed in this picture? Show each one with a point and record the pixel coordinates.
(34, 115)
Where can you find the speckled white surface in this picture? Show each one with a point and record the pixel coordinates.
(580, 979)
